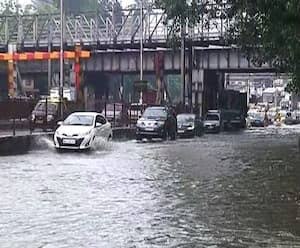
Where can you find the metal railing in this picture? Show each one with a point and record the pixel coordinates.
(22, 115)
(15, 115)
(109, 28)
(120, 114)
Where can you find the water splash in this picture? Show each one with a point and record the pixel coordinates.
(101, 144)
(42, 143)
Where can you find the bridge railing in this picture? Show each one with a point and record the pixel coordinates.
(106, 28)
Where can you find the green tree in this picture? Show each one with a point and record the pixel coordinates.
(182, 13)
(267, 31)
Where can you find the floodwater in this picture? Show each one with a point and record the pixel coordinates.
(229, 190)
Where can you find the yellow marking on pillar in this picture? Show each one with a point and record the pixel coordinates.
(11, 79)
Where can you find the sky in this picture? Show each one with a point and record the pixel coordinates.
(124, 2)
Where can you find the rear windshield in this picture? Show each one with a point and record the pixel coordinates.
(185, 118)
(212, 117)
(154, 112)
(51, 107)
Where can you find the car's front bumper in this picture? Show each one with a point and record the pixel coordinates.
(257, 124)
(153, 132)
(185, 132)
(211, 129)
(73, 143)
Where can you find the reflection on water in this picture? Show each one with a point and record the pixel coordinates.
(228, 190)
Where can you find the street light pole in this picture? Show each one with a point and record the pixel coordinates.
(182, 58)
(141, 48)
(141, 41)
(61, 79)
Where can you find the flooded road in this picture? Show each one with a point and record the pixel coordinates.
(228, 190)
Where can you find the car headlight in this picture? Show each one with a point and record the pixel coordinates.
(191, 128)
(50, 117)
(140, 123)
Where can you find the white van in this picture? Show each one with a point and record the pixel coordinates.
(212, 121)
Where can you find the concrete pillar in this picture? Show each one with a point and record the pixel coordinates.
(190, 78)
(197, 90)
(12, 86)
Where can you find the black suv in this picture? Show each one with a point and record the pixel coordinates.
(157, 122)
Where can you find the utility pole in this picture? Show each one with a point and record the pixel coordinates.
(61, 79)
(183, 62)
(141, 48)
(141, 41)
(49, 60)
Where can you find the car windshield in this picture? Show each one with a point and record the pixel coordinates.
(155, 113)
(256, 116)
(185, 118)
(51, 107)
(212, 117)
(79, 120)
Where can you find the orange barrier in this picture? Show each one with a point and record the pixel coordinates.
(43, 56)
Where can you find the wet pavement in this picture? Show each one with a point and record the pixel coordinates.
(229, 190)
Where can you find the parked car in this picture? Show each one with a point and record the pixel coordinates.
(212, 122)
(45, 114)
(256, 119)
(292, 118)
(157, 122)
(189, 125)
(79, 130)
(116, 114)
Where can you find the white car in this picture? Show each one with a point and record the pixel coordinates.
(212, 122)
(80, 129)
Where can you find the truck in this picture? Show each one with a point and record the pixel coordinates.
(233, 108)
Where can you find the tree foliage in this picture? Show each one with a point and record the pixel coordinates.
(182, 13)
(268, 31)
(10, 7)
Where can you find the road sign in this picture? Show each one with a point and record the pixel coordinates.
(141, 85)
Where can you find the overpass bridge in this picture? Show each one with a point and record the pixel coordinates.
(106, 30)
(114, 39)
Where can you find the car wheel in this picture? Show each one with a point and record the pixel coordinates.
(139, 137)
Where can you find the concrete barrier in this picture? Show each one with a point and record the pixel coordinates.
(13, 145)
(123, 133)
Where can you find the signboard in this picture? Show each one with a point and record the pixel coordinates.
(141, 85)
